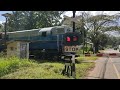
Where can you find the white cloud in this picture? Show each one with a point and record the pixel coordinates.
(112, 12)
(69, 13)
(2, 22)
(106, 12)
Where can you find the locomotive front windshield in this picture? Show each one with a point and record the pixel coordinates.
(56, 31)
(60, 30)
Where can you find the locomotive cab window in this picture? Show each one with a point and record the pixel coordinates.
(44, 34)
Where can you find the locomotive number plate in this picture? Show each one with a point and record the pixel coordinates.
(71, 48)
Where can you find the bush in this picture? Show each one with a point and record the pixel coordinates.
(8, 65)
(15, 68)
(2, 54)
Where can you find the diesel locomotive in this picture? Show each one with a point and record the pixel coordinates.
(44, 42)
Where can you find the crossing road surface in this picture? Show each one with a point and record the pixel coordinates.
(106, 67)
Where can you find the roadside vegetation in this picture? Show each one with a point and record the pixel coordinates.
(83, 58)
(15, 68)
(94, 33)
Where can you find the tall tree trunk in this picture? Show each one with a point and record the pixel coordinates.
(86, 47)
(96, 47)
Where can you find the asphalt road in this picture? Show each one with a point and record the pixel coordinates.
(106, 67)
(111, 51)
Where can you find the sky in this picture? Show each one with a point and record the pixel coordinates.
(68, 13)
(2, 18)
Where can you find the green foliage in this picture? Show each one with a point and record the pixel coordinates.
(1, 28)
(82, 58)
(82, 69)
(42, 71)
(25, 20)
(14, 68)
(94, 27)
(113, 41)
(2, 54)
(8, 65)
(98, 24)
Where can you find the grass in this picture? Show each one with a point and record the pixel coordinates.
(12, 64)
(82, 58)
(15, 68)
(82, 69)
(42, 71)
(88, 58)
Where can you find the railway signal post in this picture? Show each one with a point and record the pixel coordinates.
(71, 45)
(69, 69)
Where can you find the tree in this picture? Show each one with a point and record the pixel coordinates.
(95, 26)
(103, 40)
(98, 24)
(114, 41)
(1, 28)
(25, 20)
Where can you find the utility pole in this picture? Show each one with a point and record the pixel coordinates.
(70, 64)
(83, 34)
(5, 27)
(73, 56)
(74, 22)
(6, 15)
